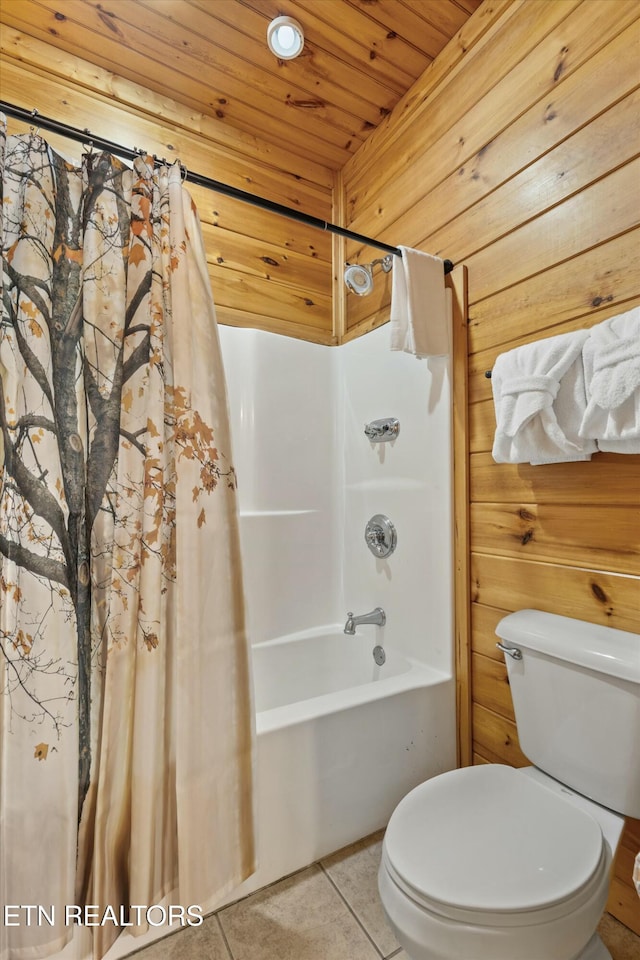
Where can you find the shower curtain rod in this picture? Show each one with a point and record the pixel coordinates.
(86, 137)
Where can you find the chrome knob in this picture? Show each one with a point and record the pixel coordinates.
(380, 536)
(375, 537)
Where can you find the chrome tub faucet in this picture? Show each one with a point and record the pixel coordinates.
(377, 616)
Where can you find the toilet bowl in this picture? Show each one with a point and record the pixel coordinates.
(493, 863)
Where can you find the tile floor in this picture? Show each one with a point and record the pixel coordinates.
(329, 911)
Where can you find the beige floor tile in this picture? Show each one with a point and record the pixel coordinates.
(621, 942)
(204, 943)
(354, 871)
(300, 918)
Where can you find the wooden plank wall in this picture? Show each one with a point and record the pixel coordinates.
(515, 154)
(266, 271)
(521, 162)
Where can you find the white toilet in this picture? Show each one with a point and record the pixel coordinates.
(494, 863)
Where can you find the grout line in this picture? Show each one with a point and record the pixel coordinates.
(224, 936)
(394, 954)
(139, 951)
(272, 883)
(352, 911)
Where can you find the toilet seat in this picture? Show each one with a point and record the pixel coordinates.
(488, 845)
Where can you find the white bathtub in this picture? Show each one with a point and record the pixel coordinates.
(340, 741)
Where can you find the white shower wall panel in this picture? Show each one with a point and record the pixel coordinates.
(281, 399)
(289, 580)
(309, 479)
(409, 479)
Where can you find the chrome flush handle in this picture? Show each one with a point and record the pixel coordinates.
(513, 652)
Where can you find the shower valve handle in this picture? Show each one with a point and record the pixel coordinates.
(375, 537)
(380, 536)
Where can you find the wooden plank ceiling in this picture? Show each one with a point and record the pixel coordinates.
(360, 57)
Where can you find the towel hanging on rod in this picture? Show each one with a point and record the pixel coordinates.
(84, 136)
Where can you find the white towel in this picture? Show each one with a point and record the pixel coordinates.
(539, 398)
(611, 358)
(420, 316)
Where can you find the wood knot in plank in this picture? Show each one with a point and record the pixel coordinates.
(599, 593)
(560, 68)
(109, 21)
(597, 301)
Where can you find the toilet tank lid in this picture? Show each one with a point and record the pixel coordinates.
(603, 649)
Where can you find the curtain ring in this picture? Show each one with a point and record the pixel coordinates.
(34, 131)
(88, 146)
(184, 173)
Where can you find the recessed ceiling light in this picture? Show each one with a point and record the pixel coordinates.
(285, 37)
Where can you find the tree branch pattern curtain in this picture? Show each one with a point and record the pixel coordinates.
(126, 738)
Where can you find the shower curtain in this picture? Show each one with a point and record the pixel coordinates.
(126, 730)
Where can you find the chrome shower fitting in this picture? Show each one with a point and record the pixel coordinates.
(359, 276)
(376, 616)
(380, 536)
(379, 431)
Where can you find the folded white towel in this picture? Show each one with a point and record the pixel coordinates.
(611, 359)
(539, 398)
(420, 317)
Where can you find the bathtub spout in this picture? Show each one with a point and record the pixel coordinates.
(376, 616)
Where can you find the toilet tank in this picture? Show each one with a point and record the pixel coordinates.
(576, 695)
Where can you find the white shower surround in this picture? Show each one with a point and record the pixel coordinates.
(334, 760)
